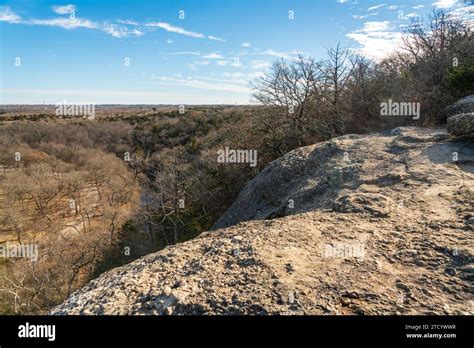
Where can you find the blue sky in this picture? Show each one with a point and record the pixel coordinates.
(180, 52)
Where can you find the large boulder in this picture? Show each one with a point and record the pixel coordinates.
(462, 106)
(460, 117)
(378, 224)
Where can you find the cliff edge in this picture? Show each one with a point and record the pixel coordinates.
(361, 224)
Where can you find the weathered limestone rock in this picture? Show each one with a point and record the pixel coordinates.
(462, 124)
(378, 224)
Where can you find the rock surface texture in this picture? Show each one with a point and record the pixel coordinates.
(460, 117)
(461, 125)
(462, 106)
(372, 224)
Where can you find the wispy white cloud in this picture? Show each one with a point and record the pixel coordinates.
(246, 44)
(127, 22)
(174, 29)
(120, 31)
(290, 55)
(234, 62)
(347, 2)
(260, 64)
(279, 54)
(232, 78)
(465, 12)
(200, 83)
(376, 7)
(136, 32)
(210, 37)
(370, 27)
(178, 30)
(206, 58)
(445, 3)
(365, 16)
(65, 22)
(213, 55)
(407, 16)
(242, 77)
(376, 39)
(65, 9)
(115, 30)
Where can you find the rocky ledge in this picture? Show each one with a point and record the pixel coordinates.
(374, 224)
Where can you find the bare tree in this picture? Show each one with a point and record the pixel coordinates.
(437, 35)
(70, 246)
(289, 87)
(172, 187)
(431, 49)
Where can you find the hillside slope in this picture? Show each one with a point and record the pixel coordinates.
(374, 224)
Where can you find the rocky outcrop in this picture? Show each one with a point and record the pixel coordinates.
(375, 224)
(330, 174)
(462, 106)
(460, 117)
